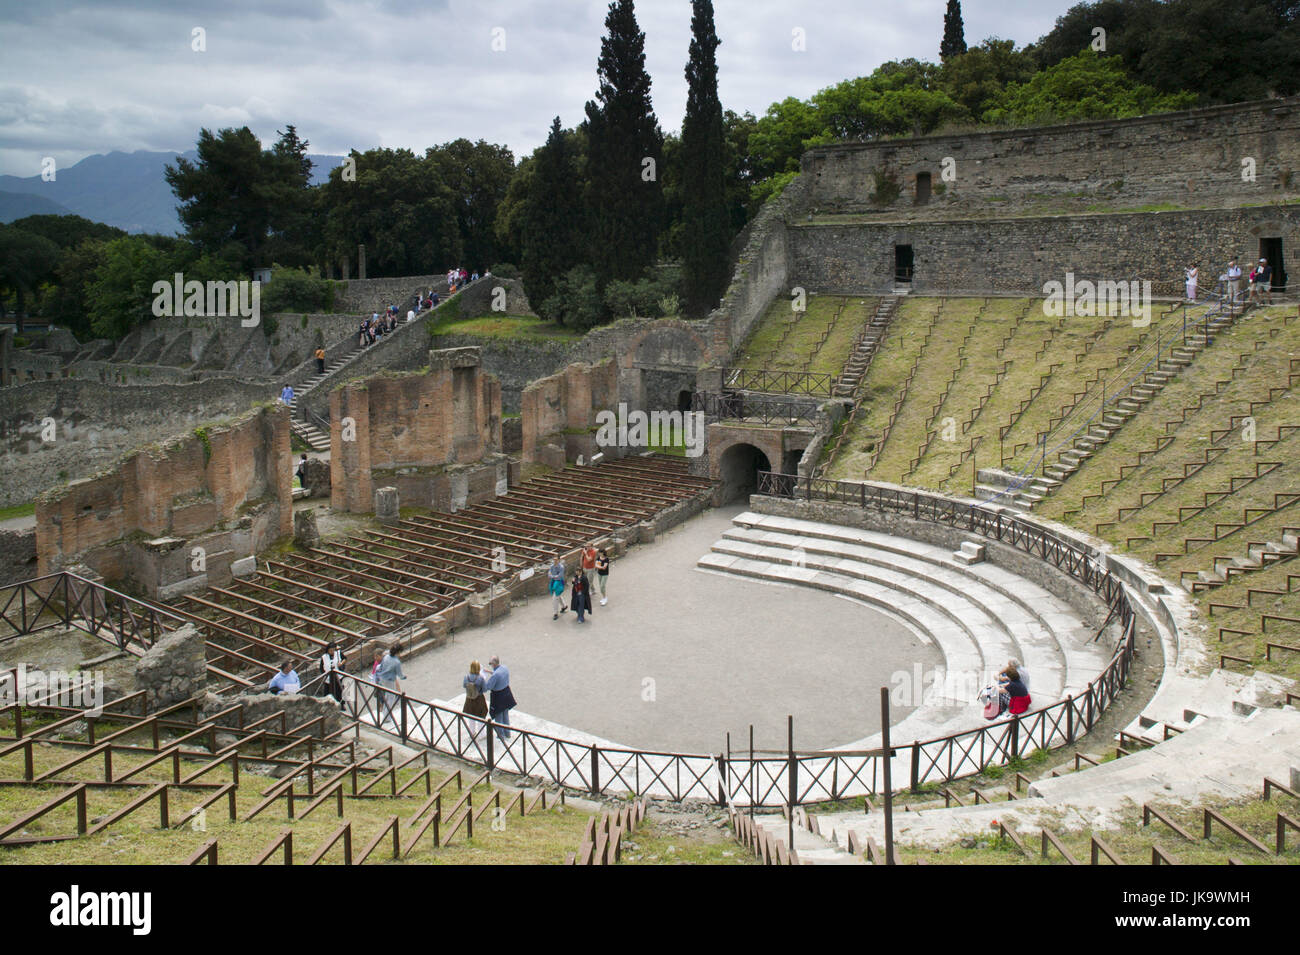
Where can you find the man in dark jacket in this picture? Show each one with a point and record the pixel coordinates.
(502, 701)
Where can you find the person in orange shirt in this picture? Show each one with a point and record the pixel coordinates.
(320, 360)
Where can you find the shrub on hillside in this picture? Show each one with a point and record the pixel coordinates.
(294, 290)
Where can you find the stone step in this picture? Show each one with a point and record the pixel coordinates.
(1029, 611)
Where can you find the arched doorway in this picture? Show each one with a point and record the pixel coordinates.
(684, 400)
(739, 470)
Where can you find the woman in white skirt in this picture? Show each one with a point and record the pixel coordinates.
(1191, 283)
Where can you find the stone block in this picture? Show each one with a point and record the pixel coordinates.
(318, 478)
(648, 532)
(552, 456)
(244, 567)
(305, 532)
(189, 585)
(387, 505)
(438, 629)
(173, 669)
(484, 609)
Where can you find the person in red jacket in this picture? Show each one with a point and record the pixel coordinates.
(1019, 693)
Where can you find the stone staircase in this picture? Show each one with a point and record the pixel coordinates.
(313, 436)
(1258, 556)
(855, 369)
(1026, 490)
(977, 615)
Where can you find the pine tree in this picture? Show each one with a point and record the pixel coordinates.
(705, 221)
(624, 196)
(551, 231)
(954, 33)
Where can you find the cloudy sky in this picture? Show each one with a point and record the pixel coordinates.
(78, 78)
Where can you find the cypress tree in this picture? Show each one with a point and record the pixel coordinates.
(625, 146)
(954, 33)
(551, 234)
(705, 222)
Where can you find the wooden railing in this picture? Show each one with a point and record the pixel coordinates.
(795, 777)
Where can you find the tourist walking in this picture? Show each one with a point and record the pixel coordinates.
(555, 578)
(302, 472)
(331, 664)
(286, 395)
(602, 575)
(580, 598)
(1192, 275)
(475, 686)
(1261, 281)
(320, 360)
(390, 677)
(1234, 281)
(502, 700)
(589, 560)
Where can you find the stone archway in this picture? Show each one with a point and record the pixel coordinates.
(738, 468)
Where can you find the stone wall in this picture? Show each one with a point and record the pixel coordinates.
(493, 294)
(93, 424)
(174, 669)
(17, 555)
(299, 708)
(363, 296)
(1022, 254)
(559, 411)
(514, 363)
(137, 523)
(205, 344)
(763, 270)
(1193, 157)
(433, 435)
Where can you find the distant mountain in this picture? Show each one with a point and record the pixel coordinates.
(15, 205)
(126, 190)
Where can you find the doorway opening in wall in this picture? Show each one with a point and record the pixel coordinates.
(683, 400)
(1271, 249)
(902, 263)
(922, 188)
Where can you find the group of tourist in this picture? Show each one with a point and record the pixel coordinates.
(377, 326)
(593, 562)
(459, 278)
(1259, 282)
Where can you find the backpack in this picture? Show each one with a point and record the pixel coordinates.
(472, 691)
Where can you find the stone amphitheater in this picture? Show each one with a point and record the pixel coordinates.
(915, 469)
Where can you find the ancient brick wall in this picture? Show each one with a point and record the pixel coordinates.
(55, 431)
(564, 405)
(232, 478)
(411, 429)
(1193, 157)
(1022, 254)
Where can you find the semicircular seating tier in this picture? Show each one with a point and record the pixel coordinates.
(978, 616)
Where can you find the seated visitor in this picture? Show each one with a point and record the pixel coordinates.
(286, 681)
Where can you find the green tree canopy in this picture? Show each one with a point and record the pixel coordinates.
(1084, 86)
(706, 226)
(624, 196)
(478, 175)
(399, 206)
(26, 260)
